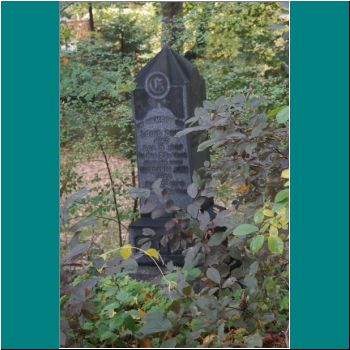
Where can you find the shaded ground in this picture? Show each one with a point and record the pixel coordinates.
(94, 175)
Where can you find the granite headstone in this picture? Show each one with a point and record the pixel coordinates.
(168, 90)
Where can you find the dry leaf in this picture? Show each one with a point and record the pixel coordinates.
(145, 343)
(242, 189)
(208, 339)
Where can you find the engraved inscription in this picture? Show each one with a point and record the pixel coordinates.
(160, 153)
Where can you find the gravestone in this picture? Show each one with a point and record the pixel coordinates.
(168, 90)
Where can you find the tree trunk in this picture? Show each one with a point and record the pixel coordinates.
(172, 24)
(91, 19)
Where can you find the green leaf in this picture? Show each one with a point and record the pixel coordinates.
(156, 187)
(253, 268)
(107, 335)
(148, 205)
(76, 252)
(214, 275)
(275, 244)
(203, 219)
(208, 105)
(193, 210)
(253, 341)
(130, 265)
(201, 112)
(124, 297)
(264, 227)
(157, 213)
(216, 239)
(204, 145)
(155, 322)
(229, 282)
(192, 120)
(192, 190)
(189, 130)
(148, 232)
(245, 229)
(273, 231)
(284, 304)
(278, 206)
(267, 317)
(192, 274)
(83, 223)
(219, 101)
(259, 216)
(235, 134)
(256, 243)
(115, 323)
(169, 343)
(221, 332)
(273, 112)
(250, 281)
(282, 195)
(283, 115)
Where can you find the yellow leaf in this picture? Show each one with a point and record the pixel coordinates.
(273, 231)
(286, 184)
(274, 222)
(125, 251)
(111, 313)
(282, 212)
(285, 174)
(284, 222)
(268, 212)
(153, 253)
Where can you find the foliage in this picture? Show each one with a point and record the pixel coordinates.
(239, 256)
(233, 287)
(96, 117)
(117, 306)
(243, 281)
(239, 46)
(252, 147)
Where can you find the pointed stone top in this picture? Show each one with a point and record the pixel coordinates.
(176, 68)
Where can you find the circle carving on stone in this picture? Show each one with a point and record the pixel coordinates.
(157, 85)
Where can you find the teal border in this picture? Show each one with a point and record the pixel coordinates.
(319, 175)
(30, 169)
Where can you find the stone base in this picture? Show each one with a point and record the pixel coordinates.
(147, 273)
(157, 225)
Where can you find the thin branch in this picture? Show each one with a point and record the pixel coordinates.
(112, 186)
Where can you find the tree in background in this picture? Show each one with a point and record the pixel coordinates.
(172, 24)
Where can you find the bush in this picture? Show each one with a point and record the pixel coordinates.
(115, 312)
(233, 288)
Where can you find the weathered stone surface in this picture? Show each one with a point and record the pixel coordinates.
(168, 90)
